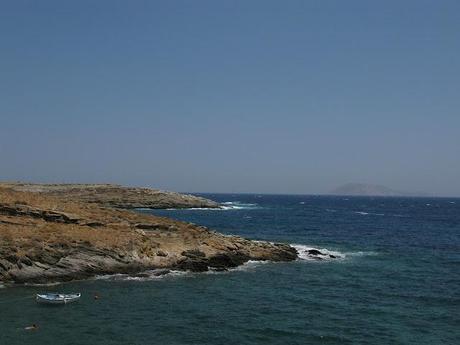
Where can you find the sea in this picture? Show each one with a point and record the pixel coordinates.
(395, 279)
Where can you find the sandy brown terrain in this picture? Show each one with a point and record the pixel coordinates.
(116, 196)
(46, 238)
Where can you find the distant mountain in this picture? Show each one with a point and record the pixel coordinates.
(361, 189)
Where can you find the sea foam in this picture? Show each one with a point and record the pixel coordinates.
(142, 276)
(328, 255)
(303, 253)
(225, 206)
(362, 213)
(238, 205)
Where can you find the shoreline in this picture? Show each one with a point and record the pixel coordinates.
(46, 238)
(115, 196)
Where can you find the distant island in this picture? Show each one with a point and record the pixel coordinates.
(362, 189)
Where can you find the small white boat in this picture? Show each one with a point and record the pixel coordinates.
(57, 298)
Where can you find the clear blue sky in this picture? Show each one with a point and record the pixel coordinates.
(232, 96)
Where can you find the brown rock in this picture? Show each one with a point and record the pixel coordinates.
(44, 238)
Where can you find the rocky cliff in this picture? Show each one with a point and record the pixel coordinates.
(44, 238)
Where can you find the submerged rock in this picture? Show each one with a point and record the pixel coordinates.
(314, 252)
(318, 255)
(163, 272)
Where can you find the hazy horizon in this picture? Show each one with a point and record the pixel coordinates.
(332, 192)
(260, 97)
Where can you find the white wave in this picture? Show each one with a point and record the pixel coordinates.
(221, 208)
(224, 206)
(109, 276)
(238, 205)
(196, 209)
(369, 213)
(142, 276)
(326, 254)
(43, 284)
(302, 203)
(250, 265)
(152, 275)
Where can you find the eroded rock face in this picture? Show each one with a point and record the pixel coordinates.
(19, 210)
(46, 239)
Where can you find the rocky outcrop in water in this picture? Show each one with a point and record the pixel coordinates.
(47, 239)
(318, 255)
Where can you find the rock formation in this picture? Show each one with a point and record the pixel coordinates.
(116, 196)
(45, 238)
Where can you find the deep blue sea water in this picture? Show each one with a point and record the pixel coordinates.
(396, 281)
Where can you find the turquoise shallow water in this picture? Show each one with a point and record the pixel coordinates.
(397, 282)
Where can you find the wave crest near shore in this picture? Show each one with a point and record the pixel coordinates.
(326, 254)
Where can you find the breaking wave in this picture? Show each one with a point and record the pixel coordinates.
(369, 213)
(153, 275)
(44, 284)
(250, 265)
(224, 206)
(143, 276)
(237, 205)
(309, 253)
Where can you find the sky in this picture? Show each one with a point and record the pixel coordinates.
(232, 96)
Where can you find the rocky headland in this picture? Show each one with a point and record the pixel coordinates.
(115, 196)
(45, 237)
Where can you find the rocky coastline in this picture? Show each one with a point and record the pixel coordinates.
(45, 238)
(115, 196)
